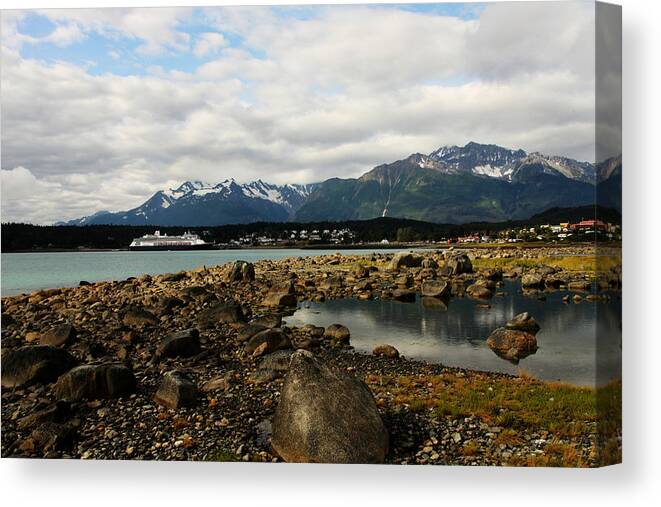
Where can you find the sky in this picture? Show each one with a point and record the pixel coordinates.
(103, 107)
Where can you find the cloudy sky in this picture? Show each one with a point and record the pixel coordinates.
(102, 107)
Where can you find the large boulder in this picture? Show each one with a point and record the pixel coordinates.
(532, 281)
(248, 331)
(58, 335)
(273, 320)
(338, 333)
(272, 366)
(405, 259)
(176, 390)
(184, 343)
(35, 364)
(326, 415)
(196, 292)
(523, 322)
(479, 291)
(511, 344)
(241, 271)
(139, 317)
(223, 313)
(435, 289)
(268, 341)
(93, 382)
(457, 264)
(582, 285)
(280, 299)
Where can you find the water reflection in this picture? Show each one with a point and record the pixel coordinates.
(455, 335)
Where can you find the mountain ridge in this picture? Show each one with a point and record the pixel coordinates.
(452, 184)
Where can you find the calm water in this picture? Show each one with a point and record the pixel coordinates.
(573, 336)
(27, 272)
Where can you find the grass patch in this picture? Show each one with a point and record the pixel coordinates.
(512, 403)
(589, 263)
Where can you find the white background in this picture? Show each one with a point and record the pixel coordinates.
(636, 482)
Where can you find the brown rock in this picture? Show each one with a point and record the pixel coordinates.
(386, 350)
(512, 344)
(338, 333)
(58, 335)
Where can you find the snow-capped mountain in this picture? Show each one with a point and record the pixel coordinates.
(498, 162)
(200, 203)
(453, 184)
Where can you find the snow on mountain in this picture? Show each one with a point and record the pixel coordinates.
(203, 203)
(498, 162)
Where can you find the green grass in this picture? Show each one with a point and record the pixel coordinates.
(516, 405)
(589, 263)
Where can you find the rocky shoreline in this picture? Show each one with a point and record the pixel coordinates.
(191, 365)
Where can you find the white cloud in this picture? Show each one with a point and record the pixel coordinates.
(301, 100)
(209, 42)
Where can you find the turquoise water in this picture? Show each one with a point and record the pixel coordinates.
(27, 272)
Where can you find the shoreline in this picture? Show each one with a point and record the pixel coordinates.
(367, 246)
(415, 399)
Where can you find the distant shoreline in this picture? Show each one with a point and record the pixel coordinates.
(330, 247)
(333, 247)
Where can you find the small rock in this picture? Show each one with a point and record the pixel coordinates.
(523, 322)
(386, 350)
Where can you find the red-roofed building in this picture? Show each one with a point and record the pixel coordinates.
(585, 225)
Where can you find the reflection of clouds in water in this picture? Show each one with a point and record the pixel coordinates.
(456, 336)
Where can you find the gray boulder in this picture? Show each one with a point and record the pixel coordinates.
(35, 364)
(241, 271)
(268, 341)
(479, 291)
(532, 280)
(459, 263)
(138, 317)
(272, 366)
(184, 343)
(273, 320)
(405, 260)
(435, 289)
(93, 382)
(176, 390)
(326, 415)
(248, 331)
(280, 299)
(223, 313)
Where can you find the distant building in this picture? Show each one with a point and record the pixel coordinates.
(589, 225)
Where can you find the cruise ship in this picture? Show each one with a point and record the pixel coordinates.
(158, 241)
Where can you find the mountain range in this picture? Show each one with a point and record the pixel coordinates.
(475, 182)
